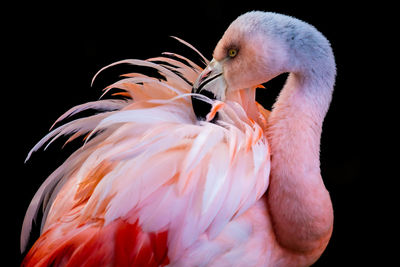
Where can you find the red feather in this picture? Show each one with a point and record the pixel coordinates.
(118, 244)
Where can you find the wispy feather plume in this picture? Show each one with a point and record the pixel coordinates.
(148, 161)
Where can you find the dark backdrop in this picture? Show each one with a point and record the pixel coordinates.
(56, 49)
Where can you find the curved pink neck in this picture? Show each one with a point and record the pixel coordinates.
(298, 202)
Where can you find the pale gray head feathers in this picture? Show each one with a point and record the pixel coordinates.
(269, 44)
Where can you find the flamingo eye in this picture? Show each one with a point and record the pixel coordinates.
(232, 52)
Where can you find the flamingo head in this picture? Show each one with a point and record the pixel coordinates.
(255, 48)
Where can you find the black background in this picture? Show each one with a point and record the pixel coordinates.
(54, 51)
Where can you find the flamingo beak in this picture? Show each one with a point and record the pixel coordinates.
(211, 84)
(211, 81)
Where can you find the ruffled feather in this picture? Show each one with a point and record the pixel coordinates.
(148, 162)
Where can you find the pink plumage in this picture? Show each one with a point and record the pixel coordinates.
(155, 184)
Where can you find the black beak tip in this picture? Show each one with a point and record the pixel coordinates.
(202, 108)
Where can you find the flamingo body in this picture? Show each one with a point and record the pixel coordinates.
(153, 173)
(155, 186)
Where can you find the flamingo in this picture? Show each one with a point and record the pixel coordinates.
(188, 169)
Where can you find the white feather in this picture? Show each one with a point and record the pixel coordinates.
(102, 105)
(82, 125)
(169, 171)
(216, 176)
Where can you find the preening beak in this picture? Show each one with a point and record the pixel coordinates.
(211, 83)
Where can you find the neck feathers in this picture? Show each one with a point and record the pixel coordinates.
(299, 204)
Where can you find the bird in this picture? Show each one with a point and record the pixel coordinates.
(186, 168)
